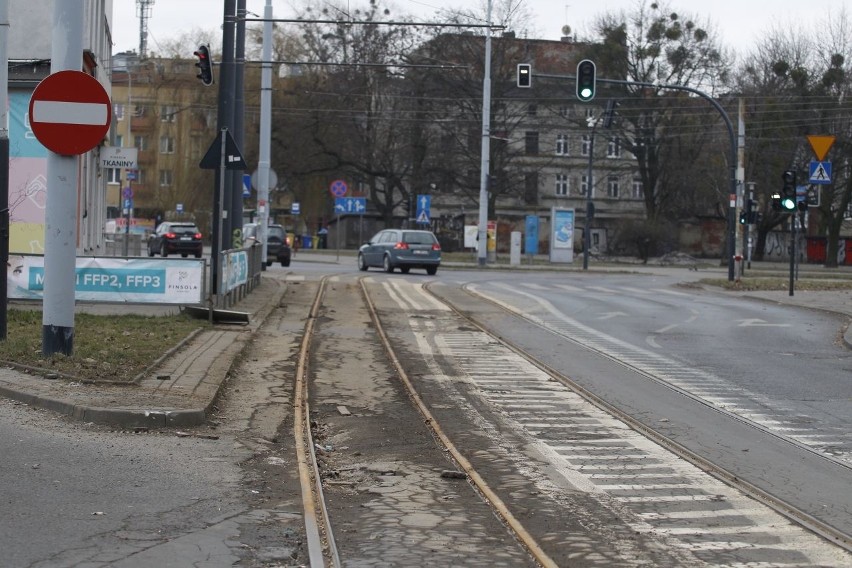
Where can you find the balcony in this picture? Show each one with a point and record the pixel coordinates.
(141, 123)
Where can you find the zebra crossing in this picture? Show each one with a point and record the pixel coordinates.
(834, 443)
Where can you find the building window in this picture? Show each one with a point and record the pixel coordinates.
(590, 113)
(612, 186)
(113, 175)
(165, 178)
(167, 113)
(141, 142)
(118, 111)
(167, 145)
(584, 186)
(119, 141)
(561, 185)
(585, 145)
(613, 148)
(140, 177)
(638, 191)
(531, 143)
(532, 110)
(561, 144)
(140, 110)
(564, 111)
(531, 187)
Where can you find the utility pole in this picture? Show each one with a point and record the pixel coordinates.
(485, 165)
(60, 218)
(225, 114)
(4, 160)
(265, 130)
(238, 129)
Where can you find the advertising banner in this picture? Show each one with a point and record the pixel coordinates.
(114, 280)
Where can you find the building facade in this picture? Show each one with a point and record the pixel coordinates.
(29, 52)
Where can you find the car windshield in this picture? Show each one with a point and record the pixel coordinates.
(418, 238)
(184, 229)
(275, 232)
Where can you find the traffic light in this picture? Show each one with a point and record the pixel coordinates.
(524, 75)
(748, 216)
(586, 80)
(788, 191)
(205, 66)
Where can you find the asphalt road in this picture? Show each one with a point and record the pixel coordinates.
(782, 428)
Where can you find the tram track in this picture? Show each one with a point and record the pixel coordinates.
(547, 544)
(786, 509)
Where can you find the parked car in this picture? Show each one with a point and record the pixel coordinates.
(277, 242)
(176, 237)
(401, 248)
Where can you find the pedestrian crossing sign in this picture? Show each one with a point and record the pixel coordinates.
(820, 172)
(423, 218)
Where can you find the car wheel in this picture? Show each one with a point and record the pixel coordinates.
(198, 255)
(404, 269)
(285, 263)
(386, 263)
(431, 270)
(268, 263)
(163, 252)
(362, 263)
(184, 254)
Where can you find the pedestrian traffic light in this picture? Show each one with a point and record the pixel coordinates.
(205, 66)
(743, 217)
(788, 191)
(586, 80)
(524, 75)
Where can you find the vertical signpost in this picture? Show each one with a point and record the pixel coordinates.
(338, 188)
(70, 113)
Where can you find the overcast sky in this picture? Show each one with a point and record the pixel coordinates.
(738, 22)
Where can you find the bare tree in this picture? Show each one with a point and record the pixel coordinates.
(667, 131)
(796, 87)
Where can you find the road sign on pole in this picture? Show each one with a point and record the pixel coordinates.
(338, 188)
(70, 112)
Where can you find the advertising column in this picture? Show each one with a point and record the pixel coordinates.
(561, 235)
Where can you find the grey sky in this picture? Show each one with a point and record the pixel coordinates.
(738, 22)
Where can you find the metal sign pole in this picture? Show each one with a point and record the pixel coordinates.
(220, 214)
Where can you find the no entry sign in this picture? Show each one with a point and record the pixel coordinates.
(70, 112)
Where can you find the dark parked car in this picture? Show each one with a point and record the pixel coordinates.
(277, 242)
(403, 249)
(176, 238)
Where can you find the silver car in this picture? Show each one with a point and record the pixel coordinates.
(401, 248)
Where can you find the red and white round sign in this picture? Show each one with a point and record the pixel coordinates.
(70, 112)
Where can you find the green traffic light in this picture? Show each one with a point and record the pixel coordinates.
(788, 204)
(585, 79)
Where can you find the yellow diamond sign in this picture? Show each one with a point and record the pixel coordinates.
(821, 145)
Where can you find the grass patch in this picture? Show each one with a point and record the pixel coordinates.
(106, 348)
(772, 284)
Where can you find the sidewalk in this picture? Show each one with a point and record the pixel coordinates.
(182, 390)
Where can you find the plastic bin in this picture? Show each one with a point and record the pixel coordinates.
(307, 241)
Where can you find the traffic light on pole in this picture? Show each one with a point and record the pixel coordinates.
(524, 75)
(788, 191)
(586, 80)
(205, 66)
